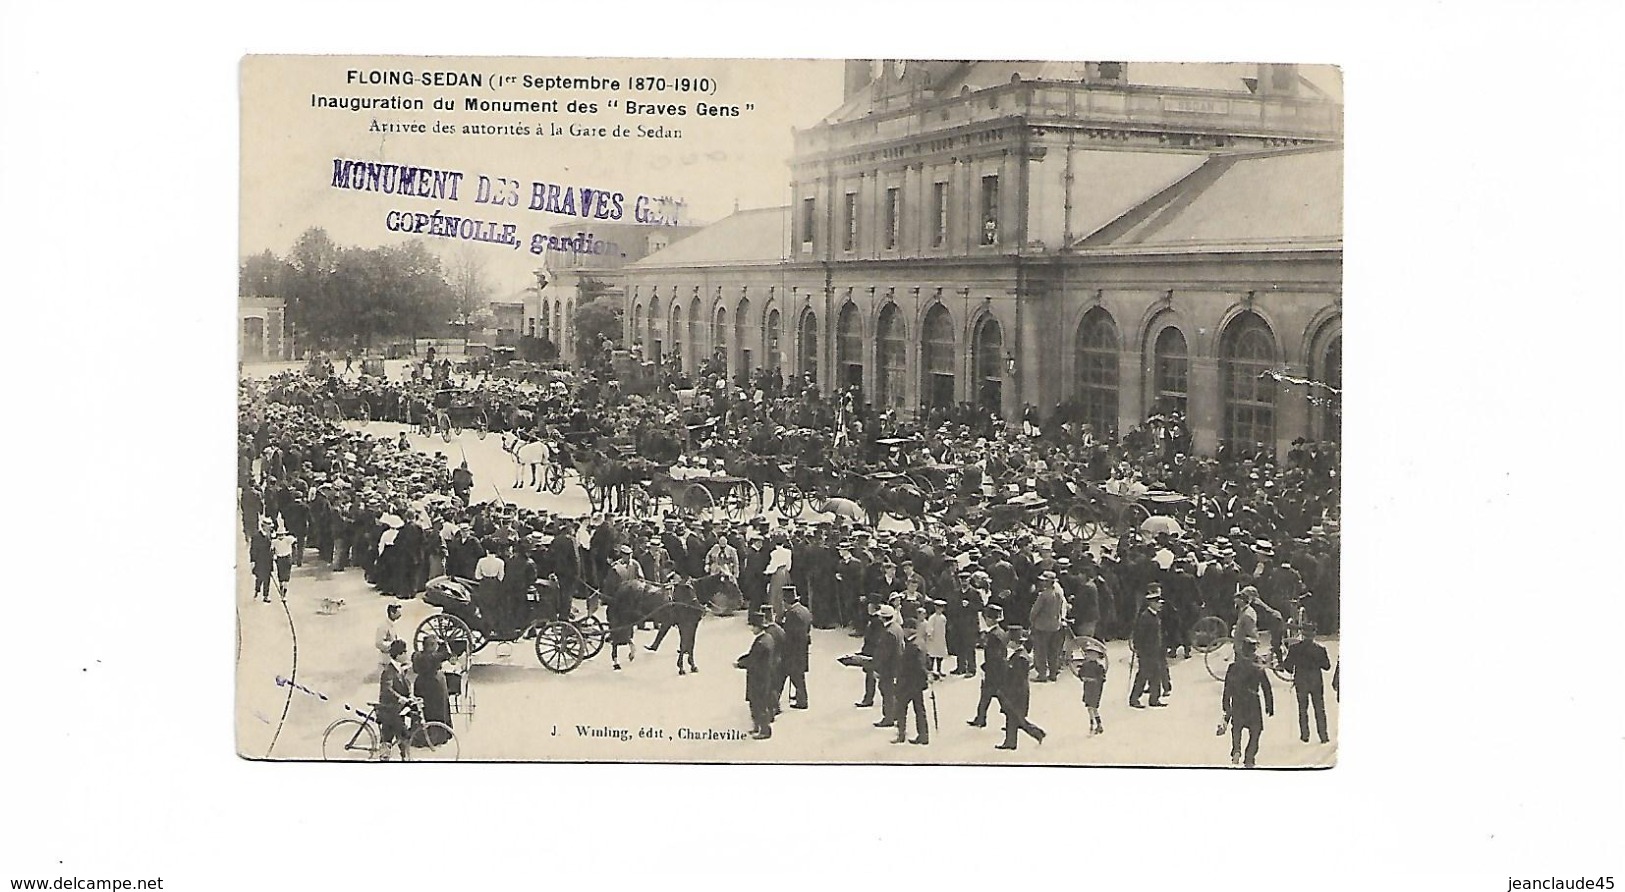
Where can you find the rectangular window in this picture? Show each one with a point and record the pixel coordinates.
(808, 220)
(894, 213)
(850, 223)
(990, 210)
(939, 212)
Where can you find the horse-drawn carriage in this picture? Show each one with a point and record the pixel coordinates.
(455, 411)
(467, 623)
(345, 404)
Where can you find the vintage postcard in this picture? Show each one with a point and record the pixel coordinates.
(789, 411)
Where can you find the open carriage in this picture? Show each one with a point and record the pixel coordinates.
(467, 623)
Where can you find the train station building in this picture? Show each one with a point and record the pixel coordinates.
(1047, 234)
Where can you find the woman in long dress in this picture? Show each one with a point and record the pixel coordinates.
(429, 683)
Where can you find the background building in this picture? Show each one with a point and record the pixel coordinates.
(260, 334)
(1046, 234)
(590, 261)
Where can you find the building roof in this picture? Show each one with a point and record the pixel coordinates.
(741, 238)
(1286, 200)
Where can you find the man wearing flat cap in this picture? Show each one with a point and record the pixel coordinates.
(1244, 681)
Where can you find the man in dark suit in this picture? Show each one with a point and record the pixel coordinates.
(1015, 695)
(781, 651)
(913, 678)
(995, 658)
(798, 621)
(1151, 675)
(760, 664)
(887, 658)
(1243, 682)
(849, 574)
(1307, 660)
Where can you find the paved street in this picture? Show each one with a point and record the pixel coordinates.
(523, 711)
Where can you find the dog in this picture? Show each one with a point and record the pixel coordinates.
(330, 606)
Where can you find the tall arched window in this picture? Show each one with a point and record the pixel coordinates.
(890, 385)
(1249, 393)
(696, 334)
(654, 347)
(637, 317)
(1097, 370)
(939, 358)
(719, 338)
(1170, 371)
(676, 331)
(547, 316)
(808, 345)
(849, 346)
(1331, 404)
(771, 360)
(989, 361)
(742, 338)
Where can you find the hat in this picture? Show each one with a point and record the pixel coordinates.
(1153, 595)
(885, 611)
(626, 549)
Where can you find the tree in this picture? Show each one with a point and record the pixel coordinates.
(469, 287)
(595, 320)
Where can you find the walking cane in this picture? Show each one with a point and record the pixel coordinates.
(935, 725)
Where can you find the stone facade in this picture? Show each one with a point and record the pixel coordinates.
(1116, 248)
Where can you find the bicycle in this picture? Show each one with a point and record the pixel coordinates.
(357, 740)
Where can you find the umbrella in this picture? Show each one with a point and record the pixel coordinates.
(1158, 524)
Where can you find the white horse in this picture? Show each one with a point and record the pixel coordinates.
(536, 455)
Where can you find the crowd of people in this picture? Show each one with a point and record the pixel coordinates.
(1256, 545)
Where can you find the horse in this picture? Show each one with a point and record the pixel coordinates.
(533, 454)
(636, 601)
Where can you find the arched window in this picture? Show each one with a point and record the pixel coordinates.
(890, 386)
(989, 360)
(939, 358)
(808, 344)
(1249, 392)
(772, 359)
(719, 338)
(742, 338)
(1170, 371)
(1331, 404)
(849, 346)
(676, 333)
(558, 319)
(696, 333)
(637, 316)
(547, 316)
(654, 351)
(1097, 370)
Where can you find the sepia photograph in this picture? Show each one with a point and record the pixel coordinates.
(794, 411)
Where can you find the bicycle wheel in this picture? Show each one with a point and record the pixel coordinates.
(1217, 661)
(349, 740)
(1208, 633)
(434, 742)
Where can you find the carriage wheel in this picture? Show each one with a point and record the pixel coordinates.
(444, 426)
(1089, 529)
(639, 503)
(553, 478)
(484, 424)
(790, 500)
(1208, 633)
(594, 493)
(364, 412)
(559, 647)
(734, 504)
(594, 632)
(455, 634)
(1136, 515)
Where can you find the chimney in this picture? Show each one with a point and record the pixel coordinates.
(857, 77)
(1277, 80)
